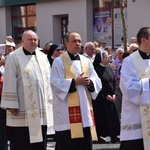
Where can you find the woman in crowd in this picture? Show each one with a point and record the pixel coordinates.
(106, 116)
(55, 50)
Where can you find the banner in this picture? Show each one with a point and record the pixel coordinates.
(118, 31)
(103, 26)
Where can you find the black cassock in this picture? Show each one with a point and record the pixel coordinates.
(105, 112)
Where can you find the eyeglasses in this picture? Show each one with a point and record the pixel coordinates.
(93, 49)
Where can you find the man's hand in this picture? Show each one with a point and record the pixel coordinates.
(13, 111)
(82, 80)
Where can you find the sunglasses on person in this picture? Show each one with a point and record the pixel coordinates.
(59, 50)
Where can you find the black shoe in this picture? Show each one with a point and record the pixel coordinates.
(117, 139)
(114, 140)
(100, 140)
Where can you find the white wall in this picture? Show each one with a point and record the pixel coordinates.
(138, 15)
(2, 25)
(5, 23)
(89, 15)
(77, 15)
(8, 20)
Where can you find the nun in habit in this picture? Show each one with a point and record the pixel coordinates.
(55, 50)
(106, 116)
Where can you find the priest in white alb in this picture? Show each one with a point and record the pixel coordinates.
(135, 87)
(74, 83)
(27, 94)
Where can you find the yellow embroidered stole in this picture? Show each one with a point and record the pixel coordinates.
(74, 110)
(143, 72)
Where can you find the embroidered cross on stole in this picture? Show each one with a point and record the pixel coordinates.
(143, 72)
(74, 110)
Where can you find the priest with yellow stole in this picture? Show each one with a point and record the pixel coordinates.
(74, 83)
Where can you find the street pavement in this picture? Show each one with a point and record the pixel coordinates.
(96, 146)
(104, 146)
(108, 146)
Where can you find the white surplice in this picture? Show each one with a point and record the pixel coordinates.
(136, 93)
(60, 86)
(15, 91)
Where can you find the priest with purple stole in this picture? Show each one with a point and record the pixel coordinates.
(74, 84)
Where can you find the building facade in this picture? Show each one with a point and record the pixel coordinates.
(52, 19)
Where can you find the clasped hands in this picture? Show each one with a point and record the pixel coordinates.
(82, 80)
(79, 80)
(111, 98)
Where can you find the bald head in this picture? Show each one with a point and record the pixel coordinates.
(30, 40)
(89, 48)
(133, 47)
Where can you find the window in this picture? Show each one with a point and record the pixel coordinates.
(107, 3)
(102, 3)
(117, 2)
(23, 18)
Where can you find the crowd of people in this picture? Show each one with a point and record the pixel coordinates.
(87, 93)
